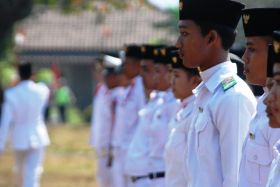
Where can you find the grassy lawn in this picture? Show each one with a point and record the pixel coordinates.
(69, 162)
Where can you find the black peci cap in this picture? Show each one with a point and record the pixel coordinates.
(221, 12)
(147, 51)
(260, 21)
(177, 63)
(162, 55)
(133, 51)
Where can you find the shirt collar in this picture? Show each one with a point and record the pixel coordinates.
(187, 100)
(276, 149)
(265, 90)
(25, 82)
(213, 76)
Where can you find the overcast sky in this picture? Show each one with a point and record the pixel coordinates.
(165, 4)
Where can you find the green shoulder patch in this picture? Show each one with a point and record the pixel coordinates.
(228, 83)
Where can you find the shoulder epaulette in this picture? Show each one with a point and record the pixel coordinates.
(228, 83)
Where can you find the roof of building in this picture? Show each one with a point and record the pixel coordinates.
(52, 29)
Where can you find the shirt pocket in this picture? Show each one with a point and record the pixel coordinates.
(201, 133)
(258, 163)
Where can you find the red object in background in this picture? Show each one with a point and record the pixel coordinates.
(57, 74)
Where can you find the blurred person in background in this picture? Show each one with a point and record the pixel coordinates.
(103, 117)
(63, 97)
(136, 161)
(22, 115)
(157, 131)
(129, 102)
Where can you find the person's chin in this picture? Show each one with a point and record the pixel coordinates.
(249, 79)
(190, 65)
(273, 121)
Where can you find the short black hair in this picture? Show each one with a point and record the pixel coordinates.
(192, 72)
(227, 34)
(25, 70)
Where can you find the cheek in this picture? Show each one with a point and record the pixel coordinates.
(174, 82)
(257, 61)
(177, 84)
(155, 77)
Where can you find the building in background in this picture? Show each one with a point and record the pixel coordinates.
(71, 43)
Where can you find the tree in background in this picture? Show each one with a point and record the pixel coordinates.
(10, 12)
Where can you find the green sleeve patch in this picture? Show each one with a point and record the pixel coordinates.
(228, 83)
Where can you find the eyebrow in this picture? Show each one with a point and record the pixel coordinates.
(249, 43)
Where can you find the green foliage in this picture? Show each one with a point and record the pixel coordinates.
(45, 75)
(8, 75)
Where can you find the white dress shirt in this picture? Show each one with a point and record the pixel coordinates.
(102, 117)
(257, 152)
(126, 119)
(137, 161)
(224, 107)
(158, 129)
(23, 114)
(175, 148)
(274, 174)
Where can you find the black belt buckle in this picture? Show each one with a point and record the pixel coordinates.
(156, 175)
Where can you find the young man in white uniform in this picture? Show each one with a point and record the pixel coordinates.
(224, 104)
(127, 107)
(167, 105)
(136, 161)
(22, 115)
(273, 110)
(103, 119)
(257, 152)
(184, 81)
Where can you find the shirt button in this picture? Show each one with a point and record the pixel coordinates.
(255, 157)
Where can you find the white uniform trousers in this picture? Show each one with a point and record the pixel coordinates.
(28, 166)
(119, 177)
(145, 182)
(103, 172)
(159, 182)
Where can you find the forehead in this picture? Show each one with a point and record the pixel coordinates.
(187, 24)
(257, 40)
(177, 70)
(130, 60)
(146, 62)
(160, 66)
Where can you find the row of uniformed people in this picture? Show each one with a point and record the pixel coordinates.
(138, 142)
(227, 127)
(223, 134)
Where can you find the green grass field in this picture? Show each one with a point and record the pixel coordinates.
(70, 162)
